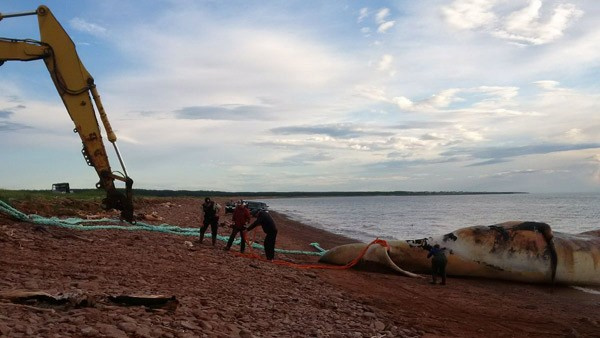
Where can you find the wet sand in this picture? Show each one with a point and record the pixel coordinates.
(222, 294)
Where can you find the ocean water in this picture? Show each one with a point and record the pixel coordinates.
(412, 217)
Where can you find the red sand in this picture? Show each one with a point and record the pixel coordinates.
(223, 295)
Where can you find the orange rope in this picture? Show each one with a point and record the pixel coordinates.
(317, 266)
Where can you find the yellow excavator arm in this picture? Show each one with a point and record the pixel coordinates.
(74, 85)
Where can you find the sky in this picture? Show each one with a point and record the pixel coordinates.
(263, 95)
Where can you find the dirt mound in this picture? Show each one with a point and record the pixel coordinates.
(57, 207)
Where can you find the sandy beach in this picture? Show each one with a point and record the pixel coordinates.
(222, 294)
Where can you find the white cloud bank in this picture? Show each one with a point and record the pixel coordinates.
(530, 25)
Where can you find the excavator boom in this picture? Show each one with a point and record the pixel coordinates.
(74, 85)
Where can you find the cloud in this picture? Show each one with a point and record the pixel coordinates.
(224, 112)
(495, 155)
(47, 119)
(372, 93)
(488, 162)
(432, 137)
(363, 14)
(10, 102)
(333, 130)
(218, 63)
(303, 159)
(547, 84)
(384, 27)
(512, 173)
(469, 14)
(10, 126)
(469, 134)
(405, 163)
(381, 19)
(489, 100)
(385, 64)
(432, 104)
(87, 27)
(422, 125)
(381, 15)
(574, 134)
(371, 143)
(528, 25)
(16, 116)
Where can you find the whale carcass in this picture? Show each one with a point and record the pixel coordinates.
(518, 251)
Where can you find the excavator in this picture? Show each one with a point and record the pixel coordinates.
(75, 86)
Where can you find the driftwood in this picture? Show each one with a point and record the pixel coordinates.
(43, 299)
(151, 301)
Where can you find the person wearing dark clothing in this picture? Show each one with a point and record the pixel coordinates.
(438, 263)
(241, 216)
(211, 217)
(268, 225)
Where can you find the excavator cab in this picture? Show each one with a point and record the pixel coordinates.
(79, 94)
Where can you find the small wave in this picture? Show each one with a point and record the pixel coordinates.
(587, 290)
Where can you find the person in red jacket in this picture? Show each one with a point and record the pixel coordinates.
(241, 216)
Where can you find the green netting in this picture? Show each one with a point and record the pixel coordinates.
(115, 224)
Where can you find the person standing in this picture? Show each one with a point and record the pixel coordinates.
(240, 217)
(268, 225)
(211, 217)
(438, 263)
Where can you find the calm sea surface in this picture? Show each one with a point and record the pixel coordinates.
(408, 217)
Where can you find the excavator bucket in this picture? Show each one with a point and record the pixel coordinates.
(115, 199)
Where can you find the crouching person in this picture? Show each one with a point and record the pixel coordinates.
(268, 225)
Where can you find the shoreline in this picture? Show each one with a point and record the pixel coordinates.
(223, 294)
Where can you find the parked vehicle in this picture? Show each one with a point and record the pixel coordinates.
(229, 207)
(254, 206)
(61, 188)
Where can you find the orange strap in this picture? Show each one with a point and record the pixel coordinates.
(317, 266)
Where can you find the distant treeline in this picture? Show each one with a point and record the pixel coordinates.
(203, 193)
(98, 193)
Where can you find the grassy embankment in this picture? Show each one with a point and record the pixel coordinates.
(29, 195)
